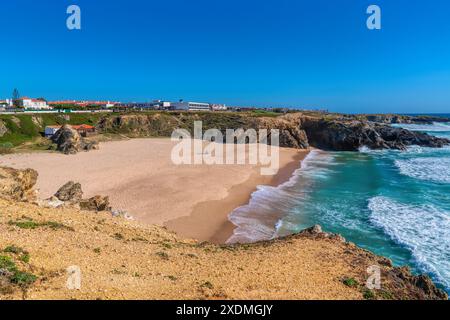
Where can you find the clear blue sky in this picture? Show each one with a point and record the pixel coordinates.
(315, 53)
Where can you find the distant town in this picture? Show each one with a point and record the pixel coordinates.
(21, 104)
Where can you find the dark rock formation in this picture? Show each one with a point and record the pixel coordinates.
(71, 191)
(69, 141)
(352, 135)
(97, 203)
(397, 119)
(18, 185)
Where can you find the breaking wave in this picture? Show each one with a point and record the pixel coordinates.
(434, 169)
(422, 229)
(262, 216)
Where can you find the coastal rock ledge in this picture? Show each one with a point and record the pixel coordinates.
(397, 281)
(339, 135)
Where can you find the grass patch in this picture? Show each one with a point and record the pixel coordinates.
(23, 278)
(14, 249)
(14, 276)
(7, 263)
(25, 258)
(368, 294)
(166, 245)
(30, 224)
(350, 282)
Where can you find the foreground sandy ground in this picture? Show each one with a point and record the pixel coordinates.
(139, 177)
(121, 259)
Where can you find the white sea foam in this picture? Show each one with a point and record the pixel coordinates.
(436, 169)
(424, 230)
(435, 127)
(261, 218)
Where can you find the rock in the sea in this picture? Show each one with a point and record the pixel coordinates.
(18, 185)
(352, 135)
(69, 141)
(97, 203)
(71, 191)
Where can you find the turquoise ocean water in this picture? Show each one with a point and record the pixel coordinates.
(396, 204)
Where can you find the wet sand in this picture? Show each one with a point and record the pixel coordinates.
(198, 225)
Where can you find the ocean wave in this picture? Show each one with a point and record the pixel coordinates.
(261, 218)
(435, 127)
(435, 169)
(424, 230)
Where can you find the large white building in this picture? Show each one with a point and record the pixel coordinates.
(35, 104)
(190, 106)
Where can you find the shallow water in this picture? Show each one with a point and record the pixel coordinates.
(396, 204)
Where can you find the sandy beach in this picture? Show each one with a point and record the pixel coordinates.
(140, 178)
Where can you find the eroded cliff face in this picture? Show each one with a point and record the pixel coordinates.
(291, 135)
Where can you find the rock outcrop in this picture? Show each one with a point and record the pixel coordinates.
(70, 192)
(352, 135)
(69, 141)
(18, 185)
(399, 282)
(71, 195)
(291, 135)
(97, 203)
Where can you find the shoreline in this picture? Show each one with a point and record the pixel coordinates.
(216, 212)
(139, 177)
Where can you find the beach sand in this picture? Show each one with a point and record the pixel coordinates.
(140, 178)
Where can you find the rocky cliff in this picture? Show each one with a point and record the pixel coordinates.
(291, 135)
(351, 135)
(296, 130)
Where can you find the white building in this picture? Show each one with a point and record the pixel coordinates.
(35, 104)
(190, 106)
(219, 107)
(161, 105)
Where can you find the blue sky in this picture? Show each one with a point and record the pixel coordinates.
(315, 53)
